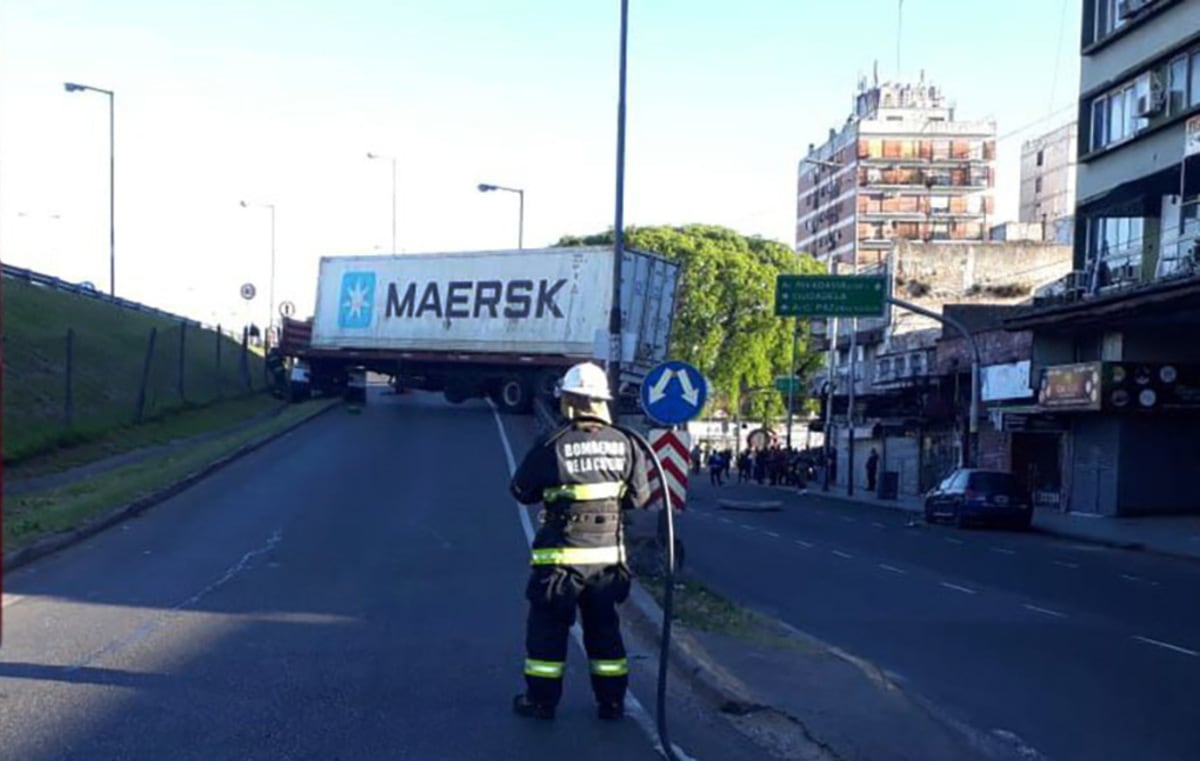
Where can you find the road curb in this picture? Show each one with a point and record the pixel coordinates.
(705, 674)
(52, 544)
(1115, 544)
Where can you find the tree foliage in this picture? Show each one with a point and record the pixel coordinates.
(725, 321)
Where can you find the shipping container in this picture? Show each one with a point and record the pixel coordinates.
(503, 324)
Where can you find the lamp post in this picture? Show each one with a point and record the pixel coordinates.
(393, 160)
(487, 188)
(615, 342)
(112, 233)
(271, 282)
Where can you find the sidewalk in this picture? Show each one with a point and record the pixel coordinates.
(1177, 535)
(807, 699)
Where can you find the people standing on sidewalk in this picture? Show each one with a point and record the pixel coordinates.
(726, 464)
(872, 469)
(697, 453)
(832, 464)
(745, 462)
(714, 468)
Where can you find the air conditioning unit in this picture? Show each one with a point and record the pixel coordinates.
(1153, 100)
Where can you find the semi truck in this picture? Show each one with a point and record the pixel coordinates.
(498, 324)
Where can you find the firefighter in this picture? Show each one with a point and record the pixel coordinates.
(584, 473)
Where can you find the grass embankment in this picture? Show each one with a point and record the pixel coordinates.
(30, 517)
(189, 368)
(700, 608)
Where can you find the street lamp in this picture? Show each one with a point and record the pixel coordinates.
(271, 283)
(393, 160)
(112, 234)
(487, 188)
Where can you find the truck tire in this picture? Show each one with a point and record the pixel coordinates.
(546, 383)
(514, 395)
(454, 395)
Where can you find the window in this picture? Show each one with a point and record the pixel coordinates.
(1132, 122)
(1194, 74)
(885, 369)
(1037, 183)
(1041, 158)
(1099, 123)
(939, 204)
(1177, 88)
(1116, 118)
(1103, 18)
(917, 361)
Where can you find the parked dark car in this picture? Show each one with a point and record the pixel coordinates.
(970, 495)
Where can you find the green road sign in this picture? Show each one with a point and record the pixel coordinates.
(830, 295)
(784, 384)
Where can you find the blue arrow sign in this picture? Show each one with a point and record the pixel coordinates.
(673, 393)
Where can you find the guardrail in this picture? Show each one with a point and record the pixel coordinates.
(58, 284)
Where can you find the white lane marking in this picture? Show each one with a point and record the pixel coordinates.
(1131, 577)
(1046, 611)
(633, 706)
(1065, 564)
(877, 524)
(957, 588)
(772, 534)
(805, 545)
(1024, 749)
(10, 600)
(1004, 551)
(747, 526)
(841, 554)
(725, 520)
(848, 519)
(1166, 645)
(893, 569)
(952, 540)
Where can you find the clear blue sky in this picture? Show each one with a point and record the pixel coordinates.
(280, 101)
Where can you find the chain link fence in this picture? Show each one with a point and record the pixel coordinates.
(92, 378)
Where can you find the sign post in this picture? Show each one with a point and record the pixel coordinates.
(672, 394)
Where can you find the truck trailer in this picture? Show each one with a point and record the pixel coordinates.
(498, 324)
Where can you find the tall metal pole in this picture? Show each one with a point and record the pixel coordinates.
(850, 406)
(792, 383)
(614, 316)
(521, 221)
(112, 198)
(394, 249)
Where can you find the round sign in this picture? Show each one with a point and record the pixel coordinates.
(674, 393)
(287, 309)
(248, 291)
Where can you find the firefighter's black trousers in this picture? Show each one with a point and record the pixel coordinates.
(554, 592)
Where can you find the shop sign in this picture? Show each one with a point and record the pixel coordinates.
(1008, 381)
(1071, 387)
(1151, 386)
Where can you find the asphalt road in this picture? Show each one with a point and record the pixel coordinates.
(1074, 651)
(351, 591)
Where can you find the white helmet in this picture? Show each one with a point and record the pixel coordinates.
(585, 379)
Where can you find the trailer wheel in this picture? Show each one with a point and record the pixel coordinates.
(514, 395)
(454, 395)
(546, 383)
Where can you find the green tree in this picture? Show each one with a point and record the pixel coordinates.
(725, 321)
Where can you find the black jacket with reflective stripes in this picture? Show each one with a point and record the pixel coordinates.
(584, 473)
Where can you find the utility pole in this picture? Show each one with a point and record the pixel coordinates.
(614, 317)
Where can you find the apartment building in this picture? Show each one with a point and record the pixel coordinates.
(1115, 360)
(1048, 183)
(902, 167)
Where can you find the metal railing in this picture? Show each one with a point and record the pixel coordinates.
(58, 284)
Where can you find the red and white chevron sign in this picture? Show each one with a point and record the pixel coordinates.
(674, 452)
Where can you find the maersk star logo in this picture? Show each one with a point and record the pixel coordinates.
(357, 302)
